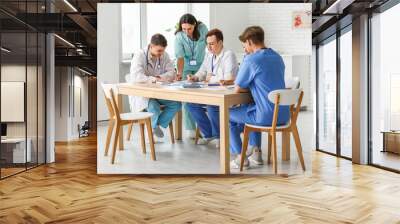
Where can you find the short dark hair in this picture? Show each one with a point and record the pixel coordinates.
(253, 33)
(158, 40)
(217, 33)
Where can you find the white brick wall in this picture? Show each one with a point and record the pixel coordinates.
(276, 19)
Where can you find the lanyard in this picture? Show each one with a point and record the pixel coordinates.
(147, 61)
(217, 62)
(212, 63)
(191, 46)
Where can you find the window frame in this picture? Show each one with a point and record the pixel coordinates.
(334, 37)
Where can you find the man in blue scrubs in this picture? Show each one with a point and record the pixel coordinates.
(261, 72)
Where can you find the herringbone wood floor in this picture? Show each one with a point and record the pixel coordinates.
(69, 191)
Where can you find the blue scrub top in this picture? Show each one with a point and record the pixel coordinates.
(261, 73)
(188, 49)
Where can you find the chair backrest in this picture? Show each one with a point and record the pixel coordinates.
(287, 97)
(292, 82)
(110, 96)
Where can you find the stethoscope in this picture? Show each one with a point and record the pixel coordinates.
(158, 65)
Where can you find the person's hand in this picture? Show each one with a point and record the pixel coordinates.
(208, 77)
(192, 78)
(178, 77)
(158, 78)
(226, 82)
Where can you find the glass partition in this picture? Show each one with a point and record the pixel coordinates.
(22, 77)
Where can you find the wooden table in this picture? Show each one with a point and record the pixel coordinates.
(218, 96)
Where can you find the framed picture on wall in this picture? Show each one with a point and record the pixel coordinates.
(301, 19)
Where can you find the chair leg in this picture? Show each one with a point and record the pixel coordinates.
(128, 137)
(269, 148)
(274, 153)
(171, 132)
(150, 135)
(244, 146)
(298, 146)
(109, 134)
(197, 136)
(116, 138)
(121, 139)
(142, 138)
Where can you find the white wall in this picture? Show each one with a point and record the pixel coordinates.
(301, 67)
(108, 51)
(67, 111)
(82, 82)
(276, 20)
(201, 11)
(33, 125)
(80, 109)
(61, 103)
(231, 19)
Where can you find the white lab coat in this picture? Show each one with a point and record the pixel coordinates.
(143, 71)
(225, 66)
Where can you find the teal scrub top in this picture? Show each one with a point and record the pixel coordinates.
(191, 50)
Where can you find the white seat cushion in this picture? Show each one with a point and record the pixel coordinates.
(135, 116)
(269, 127)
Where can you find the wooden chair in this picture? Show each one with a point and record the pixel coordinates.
(171, 130)
(292, 82)
(171, 126)
(289, 97)
(118, 120)
(197, 135)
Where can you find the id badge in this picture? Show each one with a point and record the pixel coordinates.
(192, 62)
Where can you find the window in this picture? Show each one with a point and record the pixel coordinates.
(385, 89)
(130, 19)
(137, 29)
(202, 12)
(327, 96)
(346, 94)
(170, 14)
(335, 74)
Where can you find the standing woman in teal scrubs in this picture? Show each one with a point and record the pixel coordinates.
(190, 45)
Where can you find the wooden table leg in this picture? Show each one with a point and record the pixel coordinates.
(121, 131)
(285, 146)
(178, 125)
(224, 155)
